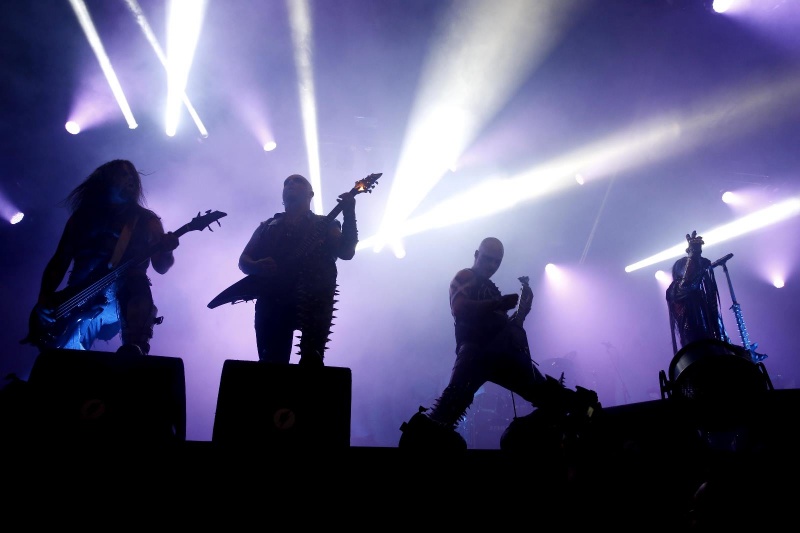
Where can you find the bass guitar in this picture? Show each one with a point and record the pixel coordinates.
(251, 287)
(86, 300)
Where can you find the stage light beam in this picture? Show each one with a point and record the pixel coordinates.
(9, 211)
(133, 5)
(185, 19)
(85, 20)
(554, 275)
(640, 144)
(746, 224)
(302, 40)
(468, 76)
(493, 196)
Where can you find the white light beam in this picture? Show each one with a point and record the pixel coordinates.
(300, 22)
(747, 224)
(184, 21)
(94, 41)
(133, 5)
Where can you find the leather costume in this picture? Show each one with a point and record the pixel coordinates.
(302, 296)
(488, 348)
(492, 346)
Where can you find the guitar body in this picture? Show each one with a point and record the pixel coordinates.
(244, 290)
(52, 335)
(251, 287)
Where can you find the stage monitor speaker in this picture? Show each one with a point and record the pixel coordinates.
(286, 406)
(81, 396)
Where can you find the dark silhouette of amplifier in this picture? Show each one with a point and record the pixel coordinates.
(79, 397)
(287, 406)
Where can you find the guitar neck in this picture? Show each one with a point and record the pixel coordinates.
(73, 297)
(314, 236)
(338, 207)
(105, 281)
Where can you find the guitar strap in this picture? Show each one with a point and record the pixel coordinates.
(122, 242)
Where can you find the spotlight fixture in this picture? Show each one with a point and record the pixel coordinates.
(719, 380)
(721, 6)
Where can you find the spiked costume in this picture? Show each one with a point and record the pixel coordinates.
(304, 298)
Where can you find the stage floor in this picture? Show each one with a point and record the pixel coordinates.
(638, 467)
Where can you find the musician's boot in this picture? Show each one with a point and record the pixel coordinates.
(537, 434)
(422, 433)
(436, 430)
(563, 421)
(555, 397)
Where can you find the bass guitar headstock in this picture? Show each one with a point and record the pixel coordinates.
(201, 222)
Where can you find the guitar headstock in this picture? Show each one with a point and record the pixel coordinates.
(367, 184)
(201, 222)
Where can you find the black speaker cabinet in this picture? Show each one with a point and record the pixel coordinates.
(79, 396)
(287, 406)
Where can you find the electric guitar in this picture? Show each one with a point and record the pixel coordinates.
(86, 300)
(251, 287)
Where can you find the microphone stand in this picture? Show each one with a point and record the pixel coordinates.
(737, 311)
